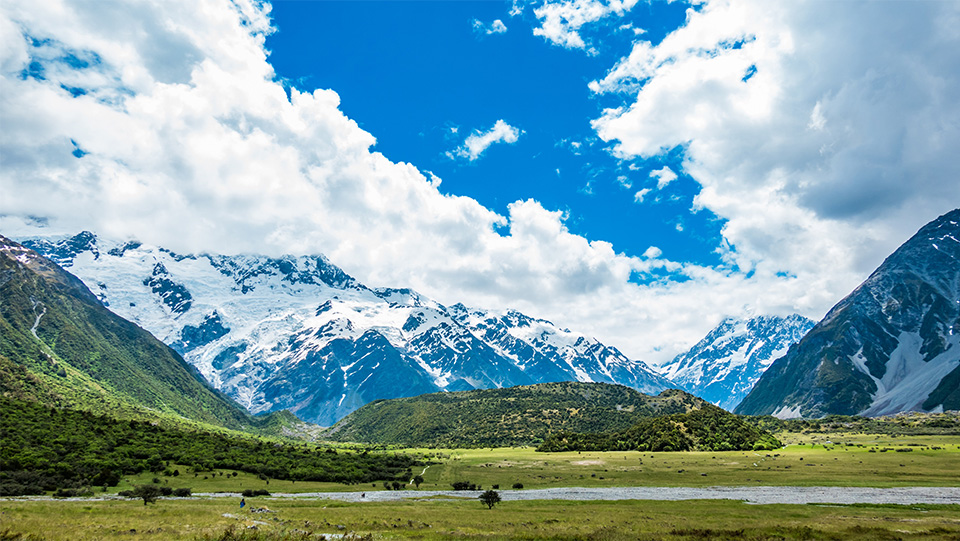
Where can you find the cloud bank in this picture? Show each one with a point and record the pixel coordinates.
(823, 140)
(809, 132)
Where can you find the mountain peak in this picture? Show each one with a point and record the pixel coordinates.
(892, 345)
(725, 364)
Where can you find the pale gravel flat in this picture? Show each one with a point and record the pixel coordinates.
(754, 495)
(760, 495)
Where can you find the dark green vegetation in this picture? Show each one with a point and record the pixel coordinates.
(490, 498)
(60, 346)
(913, 424)
(44, 448)
(301, 520)
(512, 416)
(708, 428)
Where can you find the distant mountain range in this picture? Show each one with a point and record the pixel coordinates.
(728, 361)
(892, 345)
(298, 333)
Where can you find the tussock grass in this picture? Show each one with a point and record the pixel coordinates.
(297, 520)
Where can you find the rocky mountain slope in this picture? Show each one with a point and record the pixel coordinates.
(298, 333)
(60, 346)
(889, 346)
(723, 366)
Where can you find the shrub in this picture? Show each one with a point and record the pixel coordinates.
(490, 498)
(518, 486)
(182, 492)
(148, 493)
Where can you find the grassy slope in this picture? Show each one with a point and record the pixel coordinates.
(84, 356)
(506, 417)
(468, 519)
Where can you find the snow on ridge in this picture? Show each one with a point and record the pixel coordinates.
(270, 315)
(909, 380)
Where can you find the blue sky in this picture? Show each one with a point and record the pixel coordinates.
(636, 170)
(413, 72)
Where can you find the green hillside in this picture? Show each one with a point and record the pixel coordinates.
(44, 449)
(60, 346)
(708, 428)
(506, 417)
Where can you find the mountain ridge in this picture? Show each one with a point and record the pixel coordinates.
(891, 345)
(726, 363)
(298, 333)
(61, 346)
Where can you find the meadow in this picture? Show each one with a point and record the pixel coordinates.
(835, 459)
(429, 519)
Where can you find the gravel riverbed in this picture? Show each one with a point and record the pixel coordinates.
(754, 495)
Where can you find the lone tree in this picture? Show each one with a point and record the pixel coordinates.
(490, 498)
(417, 479)
(149, 493)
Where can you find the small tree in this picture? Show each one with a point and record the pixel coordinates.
(417, 479)
(490, 498)
(149, 493)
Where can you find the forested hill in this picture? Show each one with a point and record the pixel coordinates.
(705, 429)
(512, 416)
(60, 346)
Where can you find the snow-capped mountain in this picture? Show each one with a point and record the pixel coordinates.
(723, 366)
(892, 345)
(298, 333)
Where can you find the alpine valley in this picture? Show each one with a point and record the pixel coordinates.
(892, 345)
(299, 334)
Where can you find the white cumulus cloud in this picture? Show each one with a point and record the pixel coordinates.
(496, 27)
(664, 176)
(479, 141)
(560, 22)
(823, 142)
(163, 121)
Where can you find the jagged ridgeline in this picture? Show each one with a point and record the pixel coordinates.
(514, 416)
(60, 346)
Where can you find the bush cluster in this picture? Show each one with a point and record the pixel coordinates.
(43, 449)
(707, 429)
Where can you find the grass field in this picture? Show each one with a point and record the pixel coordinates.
(848, 460)
(433, 519)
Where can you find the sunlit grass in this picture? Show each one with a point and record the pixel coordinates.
(436, 519)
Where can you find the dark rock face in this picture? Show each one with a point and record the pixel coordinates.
(892, 345)
(192, 337)
(63, 252)
(172, 294)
